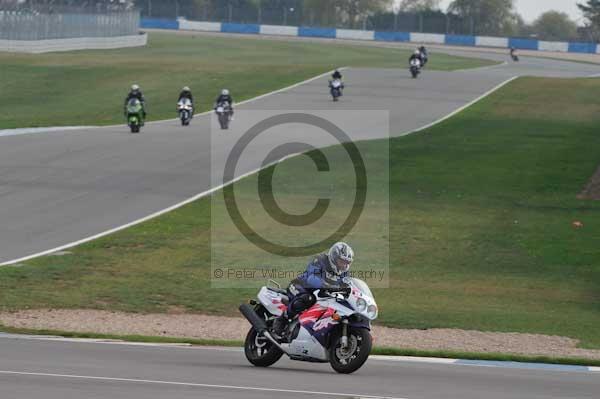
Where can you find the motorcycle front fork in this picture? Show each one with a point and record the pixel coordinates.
(344, 333)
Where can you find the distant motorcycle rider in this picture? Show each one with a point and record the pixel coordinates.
(186, 93)
(337, 75)
(324, 273)
(225, 97)
(416, 56)
(424, 54)
(136, 92)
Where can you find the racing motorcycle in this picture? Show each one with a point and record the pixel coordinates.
(415, 67)
(135, 115)
(335, 330)
(223, 111)
(185, 110)
(336, 86)
(424, 57)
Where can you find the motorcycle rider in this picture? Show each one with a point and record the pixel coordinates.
(424, 55)
(416, 55)
(337, 75)
(324, 273)
(513, 53)
(136, 92)
(225, 97)
(186, 93)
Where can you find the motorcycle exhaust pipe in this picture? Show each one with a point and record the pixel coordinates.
(259, 324)
(267, 335)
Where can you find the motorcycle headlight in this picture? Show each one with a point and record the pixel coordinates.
(372, 311)
(361, 305)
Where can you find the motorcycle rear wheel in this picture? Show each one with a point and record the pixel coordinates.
(346, 361)
(260, 351)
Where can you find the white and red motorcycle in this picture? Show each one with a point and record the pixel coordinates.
(185, 109)
(335, 330)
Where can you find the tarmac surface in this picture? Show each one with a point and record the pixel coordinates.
(32, 369)
(63, 186)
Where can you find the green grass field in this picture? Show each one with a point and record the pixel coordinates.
(88, 87)
(481, 229)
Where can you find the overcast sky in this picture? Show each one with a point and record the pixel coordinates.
(531, 9)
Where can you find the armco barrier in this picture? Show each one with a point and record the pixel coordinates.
(523, 44)
(355, 34)
(460, 40)
(278, 30)
(316, 32)
(427, 38)
(240, 28)
(487, 41)
(201, 26)
(79, 43)
(332, 33)
(392, 36)
(582, 48)
(562, 47)
(159, 23)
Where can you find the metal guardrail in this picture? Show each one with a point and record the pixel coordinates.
(36, 25)
(333, 33)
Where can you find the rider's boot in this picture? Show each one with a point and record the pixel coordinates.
(279, 325)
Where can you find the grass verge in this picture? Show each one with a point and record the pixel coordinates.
(88, 87)
(376, 350)
(481, 237)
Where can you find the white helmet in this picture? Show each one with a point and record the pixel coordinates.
(225, 92)
(340, 257)
(135, 87)
(417, 52)
(186, 89)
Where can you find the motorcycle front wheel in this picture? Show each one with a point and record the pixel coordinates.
(348, 360)
(224, 121)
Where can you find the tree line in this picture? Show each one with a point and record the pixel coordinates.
(485, 17)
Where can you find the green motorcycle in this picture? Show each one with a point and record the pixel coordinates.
(135, 115)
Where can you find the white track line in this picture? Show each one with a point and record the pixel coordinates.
(193, 384)
(38, 130)
(212, 190)
(376, 358)
(417, 359)
(450, 115)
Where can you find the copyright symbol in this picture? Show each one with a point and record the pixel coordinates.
(218, 273)
(265, 182)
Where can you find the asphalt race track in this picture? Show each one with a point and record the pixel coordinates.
(38, 369)
(63, 186)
